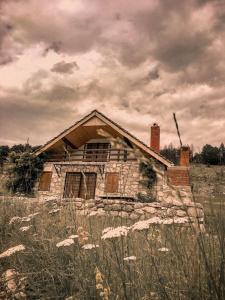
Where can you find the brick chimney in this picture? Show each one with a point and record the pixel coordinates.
(155, 137)
(184, 156)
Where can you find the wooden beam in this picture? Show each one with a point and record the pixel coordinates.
(129, 144)
(68, 143)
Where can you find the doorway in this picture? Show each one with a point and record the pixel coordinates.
(80, 185)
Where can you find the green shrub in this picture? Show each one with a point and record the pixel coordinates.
(149, 179)
(23, 172)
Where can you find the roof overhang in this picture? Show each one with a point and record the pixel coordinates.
(98, 120)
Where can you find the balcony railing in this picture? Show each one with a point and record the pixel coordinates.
(94, 155)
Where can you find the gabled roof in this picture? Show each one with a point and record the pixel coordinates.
(113, 125)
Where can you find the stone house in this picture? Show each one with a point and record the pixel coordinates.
(97, 158)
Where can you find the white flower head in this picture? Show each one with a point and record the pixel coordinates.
(12, 250)
(14, 220)
(107, 229)
(89, 246)
(54, 211)
(115, 232)
(26, 219)
(65, 243)
(128, 258)
(33, 215)
(73, 236)
(25, 228)
(164, 249)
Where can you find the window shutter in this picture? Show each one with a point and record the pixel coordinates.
(45, 181)
(111, 182)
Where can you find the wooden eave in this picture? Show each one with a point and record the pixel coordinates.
(121, 131)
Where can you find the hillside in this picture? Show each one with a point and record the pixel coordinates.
(209, 185)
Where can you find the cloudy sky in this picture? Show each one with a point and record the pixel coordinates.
(135, 61)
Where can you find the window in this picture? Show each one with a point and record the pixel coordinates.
(45, 181)
(79, 186)
(96, 151)
(111, 182)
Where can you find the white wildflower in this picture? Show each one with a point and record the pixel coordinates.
(10, 277)
(115, 232)
(12, 250)
(73, 236)
(107, 229)
(26, 219)
(142, 225)
(33, 215)
(128, 258)
(14, 220)
(54, 211)
(89, 246)
(65, 243)
(163, 249)
(25, 228)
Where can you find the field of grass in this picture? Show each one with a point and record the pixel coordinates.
(162, 262)
(209, 187)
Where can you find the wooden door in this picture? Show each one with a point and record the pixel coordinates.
(78, 185)
(111, 182)
(87, 186)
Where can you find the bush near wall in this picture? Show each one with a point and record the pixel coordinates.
(23, 172)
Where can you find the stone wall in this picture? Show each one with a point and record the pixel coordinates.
(174, 211)
(129, 178)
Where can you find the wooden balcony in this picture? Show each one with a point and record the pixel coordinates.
(94, 155)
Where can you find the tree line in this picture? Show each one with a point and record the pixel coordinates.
(209, 155)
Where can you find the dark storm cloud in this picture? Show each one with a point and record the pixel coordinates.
(5, 56)
(153, 74)
(32, 115)
(158, 57)
(59, 93)
(64, 67)
(170, 32)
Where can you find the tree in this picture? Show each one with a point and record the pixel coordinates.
(222, 154)
(19, 148)
(210, 155)
(23, 172)
(171, 153)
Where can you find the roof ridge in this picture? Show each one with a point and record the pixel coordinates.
(95, 112)
(158, 153)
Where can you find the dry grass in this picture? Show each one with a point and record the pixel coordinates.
(193, 268)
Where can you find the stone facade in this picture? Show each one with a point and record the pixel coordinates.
(129, 181)
(129, 178)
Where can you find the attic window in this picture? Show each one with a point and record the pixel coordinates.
(96, 151)
(45, 181)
